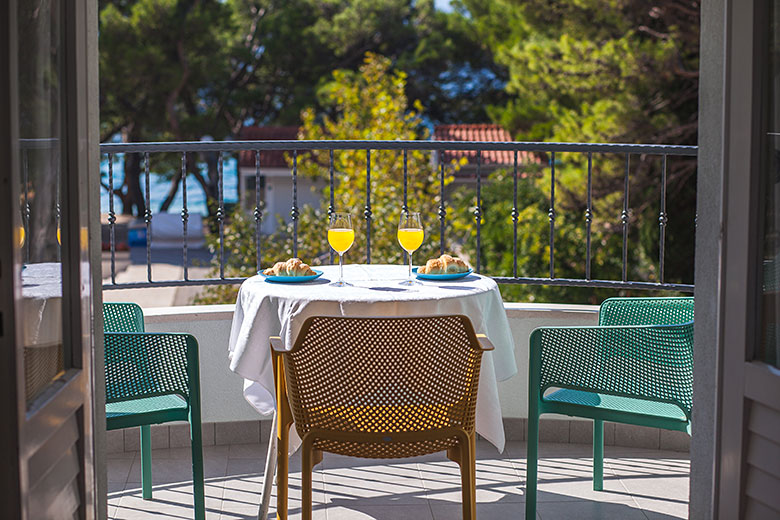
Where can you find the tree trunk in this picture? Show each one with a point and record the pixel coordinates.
(174, 188)
(133, 198)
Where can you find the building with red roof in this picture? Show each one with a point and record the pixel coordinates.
(491, 160)
(276, 180)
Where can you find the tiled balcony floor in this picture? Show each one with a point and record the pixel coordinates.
(639, 484)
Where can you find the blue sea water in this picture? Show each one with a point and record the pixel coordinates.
(159, 186)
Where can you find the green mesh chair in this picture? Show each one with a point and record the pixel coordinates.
(636, 367)
(152, 378)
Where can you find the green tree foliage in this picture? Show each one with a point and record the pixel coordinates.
(183, 69)
(368, 104)
(160, 61)
(603, 71)
(533, 241)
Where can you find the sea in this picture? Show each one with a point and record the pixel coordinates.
(159, 185)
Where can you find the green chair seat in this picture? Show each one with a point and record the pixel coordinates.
(148, 410)
(583, 401)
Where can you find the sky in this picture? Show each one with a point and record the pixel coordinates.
(443, 5)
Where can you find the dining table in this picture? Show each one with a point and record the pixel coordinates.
(264, 309)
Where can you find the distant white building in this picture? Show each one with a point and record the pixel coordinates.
(275, 177)
(276, 174)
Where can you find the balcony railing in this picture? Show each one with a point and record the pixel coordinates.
(664, 152)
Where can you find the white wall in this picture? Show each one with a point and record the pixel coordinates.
(278, 195)
(222, 389)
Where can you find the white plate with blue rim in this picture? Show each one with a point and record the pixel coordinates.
(291, 279)
(440, 277)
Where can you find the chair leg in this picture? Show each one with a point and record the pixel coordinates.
(598, 455)
(470, 463)
(146, 461)
(463, 453)
(282, 469)
(307, 465)
(198, 486)
(270, 472)
(531, 465)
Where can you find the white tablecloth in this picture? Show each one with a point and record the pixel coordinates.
(42, 305)
(266, 309)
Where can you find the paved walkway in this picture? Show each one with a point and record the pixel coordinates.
(639, 484)
(131, 267)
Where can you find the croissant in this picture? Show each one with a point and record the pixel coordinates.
(292, 267)
(445, 264)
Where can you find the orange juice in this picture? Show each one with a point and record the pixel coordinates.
(410, 238)
(341, 239)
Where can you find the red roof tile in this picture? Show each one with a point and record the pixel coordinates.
(481, 133)
(459, 132)
(268, 158)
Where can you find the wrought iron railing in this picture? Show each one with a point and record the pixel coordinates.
(110, 150)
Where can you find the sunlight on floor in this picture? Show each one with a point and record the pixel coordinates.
(638, 484)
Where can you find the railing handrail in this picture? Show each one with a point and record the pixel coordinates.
(420, 145)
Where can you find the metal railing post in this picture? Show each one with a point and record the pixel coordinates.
(588, 216)
(257, 213)
(185, 215)
(515, 215)
(148, 218)
(111, 217)
(367, 211)
(551, 215)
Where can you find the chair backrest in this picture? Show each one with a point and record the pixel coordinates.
(384, 375)
(646, 311)
(122, 317)
(142, 365)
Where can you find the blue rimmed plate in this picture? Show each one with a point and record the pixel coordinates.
(448, 276)
(291, 279)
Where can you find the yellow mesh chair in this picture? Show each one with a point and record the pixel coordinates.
(379, 388)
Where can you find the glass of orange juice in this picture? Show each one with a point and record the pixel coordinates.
(20, 236)
(410, 236)
(341, 236)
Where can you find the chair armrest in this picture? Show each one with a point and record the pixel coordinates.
(277, 345)
(484, 343)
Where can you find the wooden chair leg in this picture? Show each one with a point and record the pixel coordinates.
(198, 486)
(467, 473)
(598, 455)
(531, 464)
(146, 462)
(307, 463)
(473, 466)
(282, 468)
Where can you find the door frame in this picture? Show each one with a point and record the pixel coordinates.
(741, 249)
(22, 431)
(10, 476)
(728, 254)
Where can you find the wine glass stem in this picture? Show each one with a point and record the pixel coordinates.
(410, 267)
(341, 268)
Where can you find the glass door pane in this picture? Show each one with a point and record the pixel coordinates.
(39, 236)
